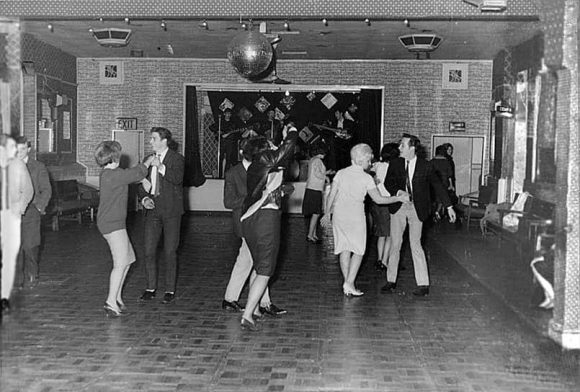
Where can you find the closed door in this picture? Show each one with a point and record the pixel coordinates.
(468, 159)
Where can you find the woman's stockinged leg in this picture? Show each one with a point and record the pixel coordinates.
(120, 288)
(115, 279)
(312, 226)
(344, 259)
(355, 262)
(257, 288)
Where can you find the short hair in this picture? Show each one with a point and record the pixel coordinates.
(164, 133)
(360, 153)
(251, 146)
(413, 140)
(23, 140)
(389, 152)
(318, 148)
(107, 152)
(441, 150)
(4, 139)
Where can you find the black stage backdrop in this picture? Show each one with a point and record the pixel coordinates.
(193, 173)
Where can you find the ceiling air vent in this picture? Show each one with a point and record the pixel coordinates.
(112, 37)
(420, 42)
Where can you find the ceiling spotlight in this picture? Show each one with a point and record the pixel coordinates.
(163, 25)
(50, 27)
(127, 20)
(488, 5)
(325, 22)
(204, 25)
(286, 26)
(368, 21)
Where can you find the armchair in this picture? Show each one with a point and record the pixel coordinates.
(475, 203)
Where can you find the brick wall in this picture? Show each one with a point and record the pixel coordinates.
(153, 92)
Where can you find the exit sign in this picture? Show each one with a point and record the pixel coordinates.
(126, 123)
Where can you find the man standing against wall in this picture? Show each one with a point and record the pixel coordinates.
(27, 269)
(161, 194)
(413, 175)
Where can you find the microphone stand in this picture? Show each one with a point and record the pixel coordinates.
(219, 146)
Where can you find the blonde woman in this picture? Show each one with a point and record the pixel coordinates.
(346, 205)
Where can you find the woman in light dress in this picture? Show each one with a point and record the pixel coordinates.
(345, 207)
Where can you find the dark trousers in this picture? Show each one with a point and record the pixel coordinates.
(155, 226)
(27, 265)
(28, 256)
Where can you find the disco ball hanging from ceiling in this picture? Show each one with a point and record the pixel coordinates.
(250, 53)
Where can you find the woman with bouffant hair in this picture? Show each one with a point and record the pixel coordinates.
(112, 215)
(346, 206)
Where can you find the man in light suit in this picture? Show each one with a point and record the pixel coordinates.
(27, 268)
(235, 190)
(415, 176)
(161, 195)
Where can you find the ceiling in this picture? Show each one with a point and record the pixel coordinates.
(467, 39)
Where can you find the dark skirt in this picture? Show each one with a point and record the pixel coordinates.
(262, 234)
(312, 202)
(381, 220)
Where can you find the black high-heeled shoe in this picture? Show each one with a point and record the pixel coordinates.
(111, 312)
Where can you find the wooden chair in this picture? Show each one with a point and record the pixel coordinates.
(475, 203)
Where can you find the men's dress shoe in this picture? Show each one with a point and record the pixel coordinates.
(272, 310)
(233, 306)
(389, 288)
(421, 291)
(147, 295)
(249, 325)
(168, 298)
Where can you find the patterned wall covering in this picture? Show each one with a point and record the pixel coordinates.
(10, 77)
(153, 92)
(256, 8)
(48, 59)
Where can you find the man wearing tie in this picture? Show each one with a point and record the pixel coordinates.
(161, 195)
(413, 175)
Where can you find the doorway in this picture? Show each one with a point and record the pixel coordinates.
(468, 158)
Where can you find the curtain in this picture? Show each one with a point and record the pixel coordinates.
(370, 119)
(193, 173)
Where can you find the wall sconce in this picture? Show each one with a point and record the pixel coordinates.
(286, 26)
(50, 27)
(325, 22)
(127, 20)
(368, 21)
(204, 25)
(163, 25)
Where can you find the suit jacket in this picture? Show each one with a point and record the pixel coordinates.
(235, 190)
(169, 202)
(423, 179)
(41, 185)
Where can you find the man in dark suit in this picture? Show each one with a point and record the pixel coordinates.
(161, 194)
(415, 176)
(27, 269)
